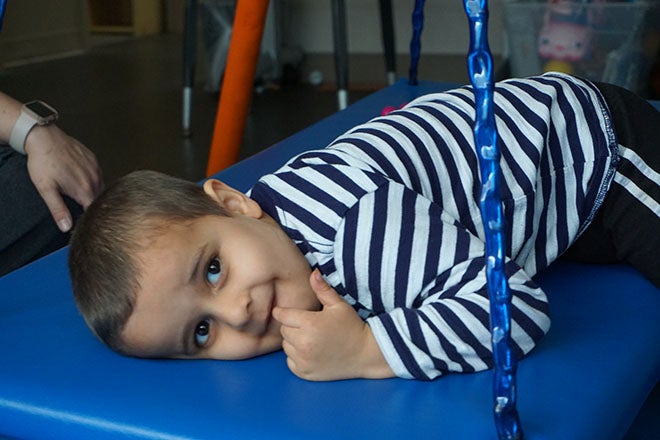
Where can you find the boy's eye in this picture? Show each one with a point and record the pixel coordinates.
(213, 271)
(202, 333)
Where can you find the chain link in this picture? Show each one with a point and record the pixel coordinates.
(480, 68)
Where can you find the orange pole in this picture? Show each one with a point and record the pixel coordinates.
(237, 84)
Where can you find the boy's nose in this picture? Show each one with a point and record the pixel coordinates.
(234, 309)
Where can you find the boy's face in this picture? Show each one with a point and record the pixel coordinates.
(208, 287)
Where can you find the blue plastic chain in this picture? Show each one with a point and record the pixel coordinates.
(416, 41)
(3, 4)
(480, 67)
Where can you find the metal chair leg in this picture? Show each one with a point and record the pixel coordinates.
(387, 28)
(341, 51)
(189, 60)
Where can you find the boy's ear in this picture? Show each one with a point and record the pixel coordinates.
(231, 199)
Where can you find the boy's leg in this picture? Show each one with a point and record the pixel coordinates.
(627, 227)
(28, 230)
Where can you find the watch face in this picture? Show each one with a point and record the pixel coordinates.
(41, 109)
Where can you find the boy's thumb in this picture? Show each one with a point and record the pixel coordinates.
(325, 294)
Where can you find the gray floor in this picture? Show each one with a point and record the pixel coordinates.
(123, 100)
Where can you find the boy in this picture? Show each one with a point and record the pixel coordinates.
(389, 216)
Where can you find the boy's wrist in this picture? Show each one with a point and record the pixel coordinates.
(374, 365)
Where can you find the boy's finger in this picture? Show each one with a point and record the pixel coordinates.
(288, 317)
(325, 294)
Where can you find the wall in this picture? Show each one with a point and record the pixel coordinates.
(307, 25)
(444, 43)
(38, 28)
(310, 25)
(445, 26)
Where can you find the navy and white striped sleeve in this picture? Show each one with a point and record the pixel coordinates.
(420, 275)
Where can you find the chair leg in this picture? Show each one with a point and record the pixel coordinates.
(189, 60)
(237, 84)
(387, 28)
(341, 51)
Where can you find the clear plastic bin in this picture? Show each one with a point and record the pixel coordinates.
(615, 42)
(217, 17)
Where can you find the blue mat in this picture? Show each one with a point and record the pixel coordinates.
(586, 380)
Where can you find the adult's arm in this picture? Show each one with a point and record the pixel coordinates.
(57, 164)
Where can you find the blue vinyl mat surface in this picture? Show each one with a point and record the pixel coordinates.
(586, 380)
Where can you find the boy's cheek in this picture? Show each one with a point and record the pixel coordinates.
(269, 343)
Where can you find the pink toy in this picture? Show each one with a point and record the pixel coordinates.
(565, 35)
(389, 109)
(564, 41)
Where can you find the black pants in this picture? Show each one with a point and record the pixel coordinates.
(27, 230)
(625, 229)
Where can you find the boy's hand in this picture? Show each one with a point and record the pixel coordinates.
(330, 344)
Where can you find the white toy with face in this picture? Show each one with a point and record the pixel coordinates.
(563, 41)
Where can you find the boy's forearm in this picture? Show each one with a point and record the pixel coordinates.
(373, 363)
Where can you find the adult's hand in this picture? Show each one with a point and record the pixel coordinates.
(59, 164)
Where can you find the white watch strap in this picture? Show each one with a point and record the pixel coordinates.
(20, 132)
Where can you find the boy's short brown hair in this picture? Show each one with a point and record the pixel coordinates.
(103, 257)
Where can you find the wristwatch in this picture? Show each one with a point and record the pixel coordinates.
(32, 113)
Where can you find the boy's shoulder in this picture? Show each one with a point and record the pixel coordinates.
(328, 174)
(311, 199)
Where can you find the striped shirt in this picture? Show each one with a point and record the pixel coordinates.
(389, 213)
